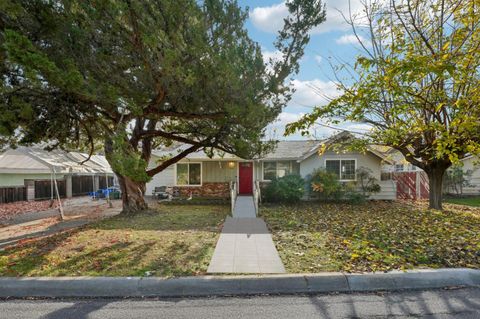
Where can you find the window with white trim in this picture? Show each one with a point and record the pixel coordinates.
(189, 174)
(344, 169)
(277, 169)
(399, 167)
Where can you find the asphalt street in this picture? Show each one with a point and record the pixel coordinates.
(452, 303)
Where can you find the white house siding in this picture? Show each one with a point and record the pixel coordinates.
(472, 163)
(368, 160)
(164, 178)
(259, 167)
(212, 172)
(315, 161)
(218, 172)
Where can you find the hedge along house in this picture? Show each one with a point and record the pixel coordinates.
(201, 176)
(28, 173)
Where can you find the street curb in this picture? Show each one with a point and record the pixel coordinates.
(235, 285)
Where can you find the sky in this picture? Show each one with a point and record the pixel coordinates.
(330, 42)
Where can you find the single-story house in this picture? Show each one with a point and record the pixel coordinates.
(27, 173)
(202, 176)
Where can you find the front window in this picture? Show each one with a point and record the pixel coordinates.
(272, 170)
(189, 174)
(343, 169)
(398, 167)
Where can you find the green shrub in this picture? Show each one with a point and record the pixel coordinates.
(325, 185)
(352, 196)
(289, 188)
(367, 183)
(455, 179)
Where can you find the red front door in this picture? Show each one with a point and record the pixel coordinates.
(245, 178)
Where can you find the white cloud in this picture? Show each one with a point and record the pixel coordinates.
(276, 130)
(318, 58)
(324, 129)
(312, 93)
(308, 94)
(351, 39)
(271, 55)
(270, 18)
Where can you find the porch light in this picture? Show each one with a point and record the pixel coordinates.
(231, 164)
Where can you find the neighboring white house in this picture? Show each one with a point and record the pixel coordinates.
(472, 163)
(34, 168)
(397, 162)
(199, 175)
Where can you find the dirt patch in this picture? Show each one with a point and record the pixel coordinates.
(75, 216)
(9, 210)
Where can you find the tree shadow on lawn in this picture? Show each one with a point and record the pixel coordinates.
(25, 257)
(169, 254)
(110, 260)
(170, 218)
(171, 243)
(182, 260)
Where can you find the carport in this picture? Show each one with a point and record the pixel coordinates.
(43, 174)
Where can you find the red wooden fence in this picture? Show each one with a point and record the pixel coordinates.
(411, 185)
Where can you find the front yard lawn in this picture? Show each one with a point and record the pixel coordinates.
(469, 201)
(375, 236)
(174, 240)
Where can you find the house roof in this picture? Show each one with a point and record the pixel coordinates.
(38, 160)
(199, 155)
(285, 150)
(288, 150)
(293, 150)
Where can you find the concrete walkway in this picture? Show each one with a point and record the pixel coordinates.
(245, 244)
(244, 207)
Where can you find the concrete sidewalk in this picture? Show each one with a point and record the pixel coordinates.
(236, 285)
(245, 244)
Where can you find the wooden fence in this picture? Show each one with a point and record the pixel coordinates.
(43, 189)
(102, 182)
(12, 194)
(411, 185)
(82, 185)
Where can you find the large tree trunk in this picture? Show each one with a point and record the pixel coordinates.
(132, 195)
(435, 182)
(132, 191)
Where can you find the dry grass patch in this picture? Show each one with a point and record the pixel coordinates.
(175, 240)
(376, 236)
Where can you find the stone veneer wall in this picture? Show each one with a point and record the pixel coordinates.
(218, 190)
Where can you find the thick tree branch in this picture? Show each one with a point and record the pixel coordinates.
(173, 160)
